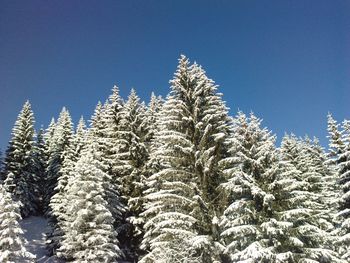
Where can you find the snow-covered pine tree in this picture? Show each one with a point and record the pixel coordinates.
(58, 145)
(336, 144)
(142, 125)
(2, 176)
(91, 236)
(250, 169)
(12, 249)
(49, 135)
(70, 156)
(48, 140)
(344, 200)
(80, 137)
(168, 212)
(100, 131)
(151, 118)
(322, 178)
(300, 213)
(40, 161)
(19, 166)
(58, 202)
(133, 152)
(182, 199)
(115, 142)
(133, 116)
(108, 128)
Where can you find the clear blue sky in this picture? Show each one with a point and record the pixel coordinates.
(288, 61)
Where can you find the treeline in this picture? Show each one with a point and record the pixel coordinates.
(177, 180)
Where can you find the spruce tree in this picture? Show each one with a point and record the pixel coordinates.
(250, 169)
(181, 200)
(322, 178)
(40, 162)
(142, 123)
(12, 249)
(300, 205)
(344, 200)
(105, 126)
(2, 176)
(58, 147)
(132, 185)
(59, 201)
(19, 166)
(336, 144)
(90, 235)
(151, 119)
(48, 136)
(113, 144)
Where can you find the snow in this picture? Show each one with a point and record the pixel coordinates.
(34, 229)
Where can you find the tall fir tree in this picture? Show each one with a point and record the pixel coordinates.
(58, 147)
(301, 208)
(277, 213)
(142, 123)
(106, 124)
(182, 201)
(59, 201)
(150, 121)
(344, 200)
(336, 144)
(2, 176)
(103, 122)
(20, 177)
(115, 142)
(90, 235)
(132, 185)
(49, 135)
(339, 161)
(322, 178)
(40, 162)
(12, 242)
(250, 169)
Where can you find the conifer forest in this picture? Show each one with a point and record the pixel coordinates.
(175, 180)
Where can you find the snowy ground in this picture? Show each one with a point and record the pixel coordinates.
(34, 229)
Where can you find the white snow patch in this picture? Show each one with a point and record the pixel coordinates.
(34, 229)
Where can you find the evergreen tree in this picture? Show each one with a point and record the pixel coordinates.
(336, 144)
(2, 176)
(111, 135)
(344, 201)
(300, 208)
(21, 179)
(182, 200)
(80, 137)
(48, 136)
(58, 147)
(277, 212)
(151, 119)
(142, 122)
(115, 141)
(59, 201)
(250, 169)
(40, 161)
(132, 185)
(91, 236)
(322, 178)
(12, 249)
(105, 126)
